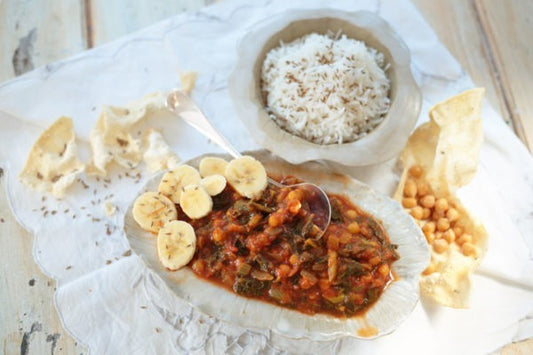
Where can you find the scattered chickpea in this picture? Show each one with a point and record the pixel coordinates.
(416, 171)
(440, 245)
(351, 214)
(409, 190)
(353, 227)
(469, 249)
(438, 235)
(427, 213)
(443, 224)
(429, 227)
(417, 212)
(430, 237)
(408, 202)
(465, 238)
(428, 201)
(441, 205)
(430, 269)
(452, 215)
(449, 236)
(345, 237)
(422, 188)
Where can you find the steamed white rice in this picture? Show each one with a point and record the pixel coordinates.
(326, 88)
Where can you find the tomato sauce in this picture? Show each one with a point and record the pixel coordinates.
(270, 249)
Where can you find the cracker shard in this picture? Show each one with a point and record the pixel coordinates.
(53, 164)
(112, 138)
(447, 148)
(158, 156)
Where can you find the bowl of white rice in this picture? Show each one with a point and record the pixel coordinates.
(326, 84)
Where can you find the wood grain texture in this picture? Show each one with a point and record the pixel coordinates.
(57, 32)
(508, 27)
(490, 38)
(455, 23)
(29, 323)
(113, 19)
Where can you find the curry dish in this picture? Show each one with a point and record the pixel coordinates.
(269, 248)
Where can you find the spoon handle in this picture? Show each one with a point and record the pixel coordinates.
(181, 104)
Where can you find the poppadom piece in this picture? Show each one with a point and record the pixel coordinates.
(158, 156)
(445, 151)
(188, 80)
(52, 164)
(112, 139)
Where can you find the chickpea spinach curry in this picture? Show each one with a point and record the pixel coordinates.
(269, 248)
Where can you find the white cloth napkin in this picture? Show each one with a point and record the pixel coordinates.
(113, 303)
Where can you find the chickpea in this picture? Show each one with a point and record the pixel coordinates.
(408, 202)
(422, 188)
(437, 214)
(430, 237)
(465, 238)
(469, 249)
(274, 220)
(430, 269)
(416, 171)
(449, 236)
(295, 195)
(294, 206)
(438, 235)
(452, 214)
(443, 224)
(428, 201)
(458, 231)
(294, 259)
(351, 214)
(429, 227)
(409, 190)
(441, 205)
(426, 214)
(384, 269)
(417, 212)
(440, 245)
(345, 237)
(353, 228)
(218, 235)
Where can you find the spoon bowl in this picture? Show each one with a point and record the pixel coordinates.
(318, 201)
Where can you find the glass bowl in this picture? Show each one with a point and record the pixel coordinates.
(383, 143)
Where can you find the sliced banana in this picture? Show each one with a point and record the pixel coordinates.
(176, 243)
(152, 211)
(195, 201)
(175, 180)
(213, 184)
(246, 175)
(212, 166)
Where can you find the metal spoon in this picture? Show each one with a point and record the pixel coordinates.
(179, 103)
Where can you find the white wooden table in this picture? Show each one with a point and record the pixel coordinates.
(490, 38)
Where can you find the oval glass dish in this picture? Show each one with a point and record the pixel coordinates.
(390, 310)
(382, 143)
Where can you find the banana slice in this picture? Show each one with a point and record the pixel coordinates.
(195, 201)
(212, 166)
(247, 175)
(213, 184)
(152, 210)
(176, 243)
(175, 180)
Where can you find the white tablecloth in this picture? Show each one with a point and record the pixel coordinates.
(111, 302)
